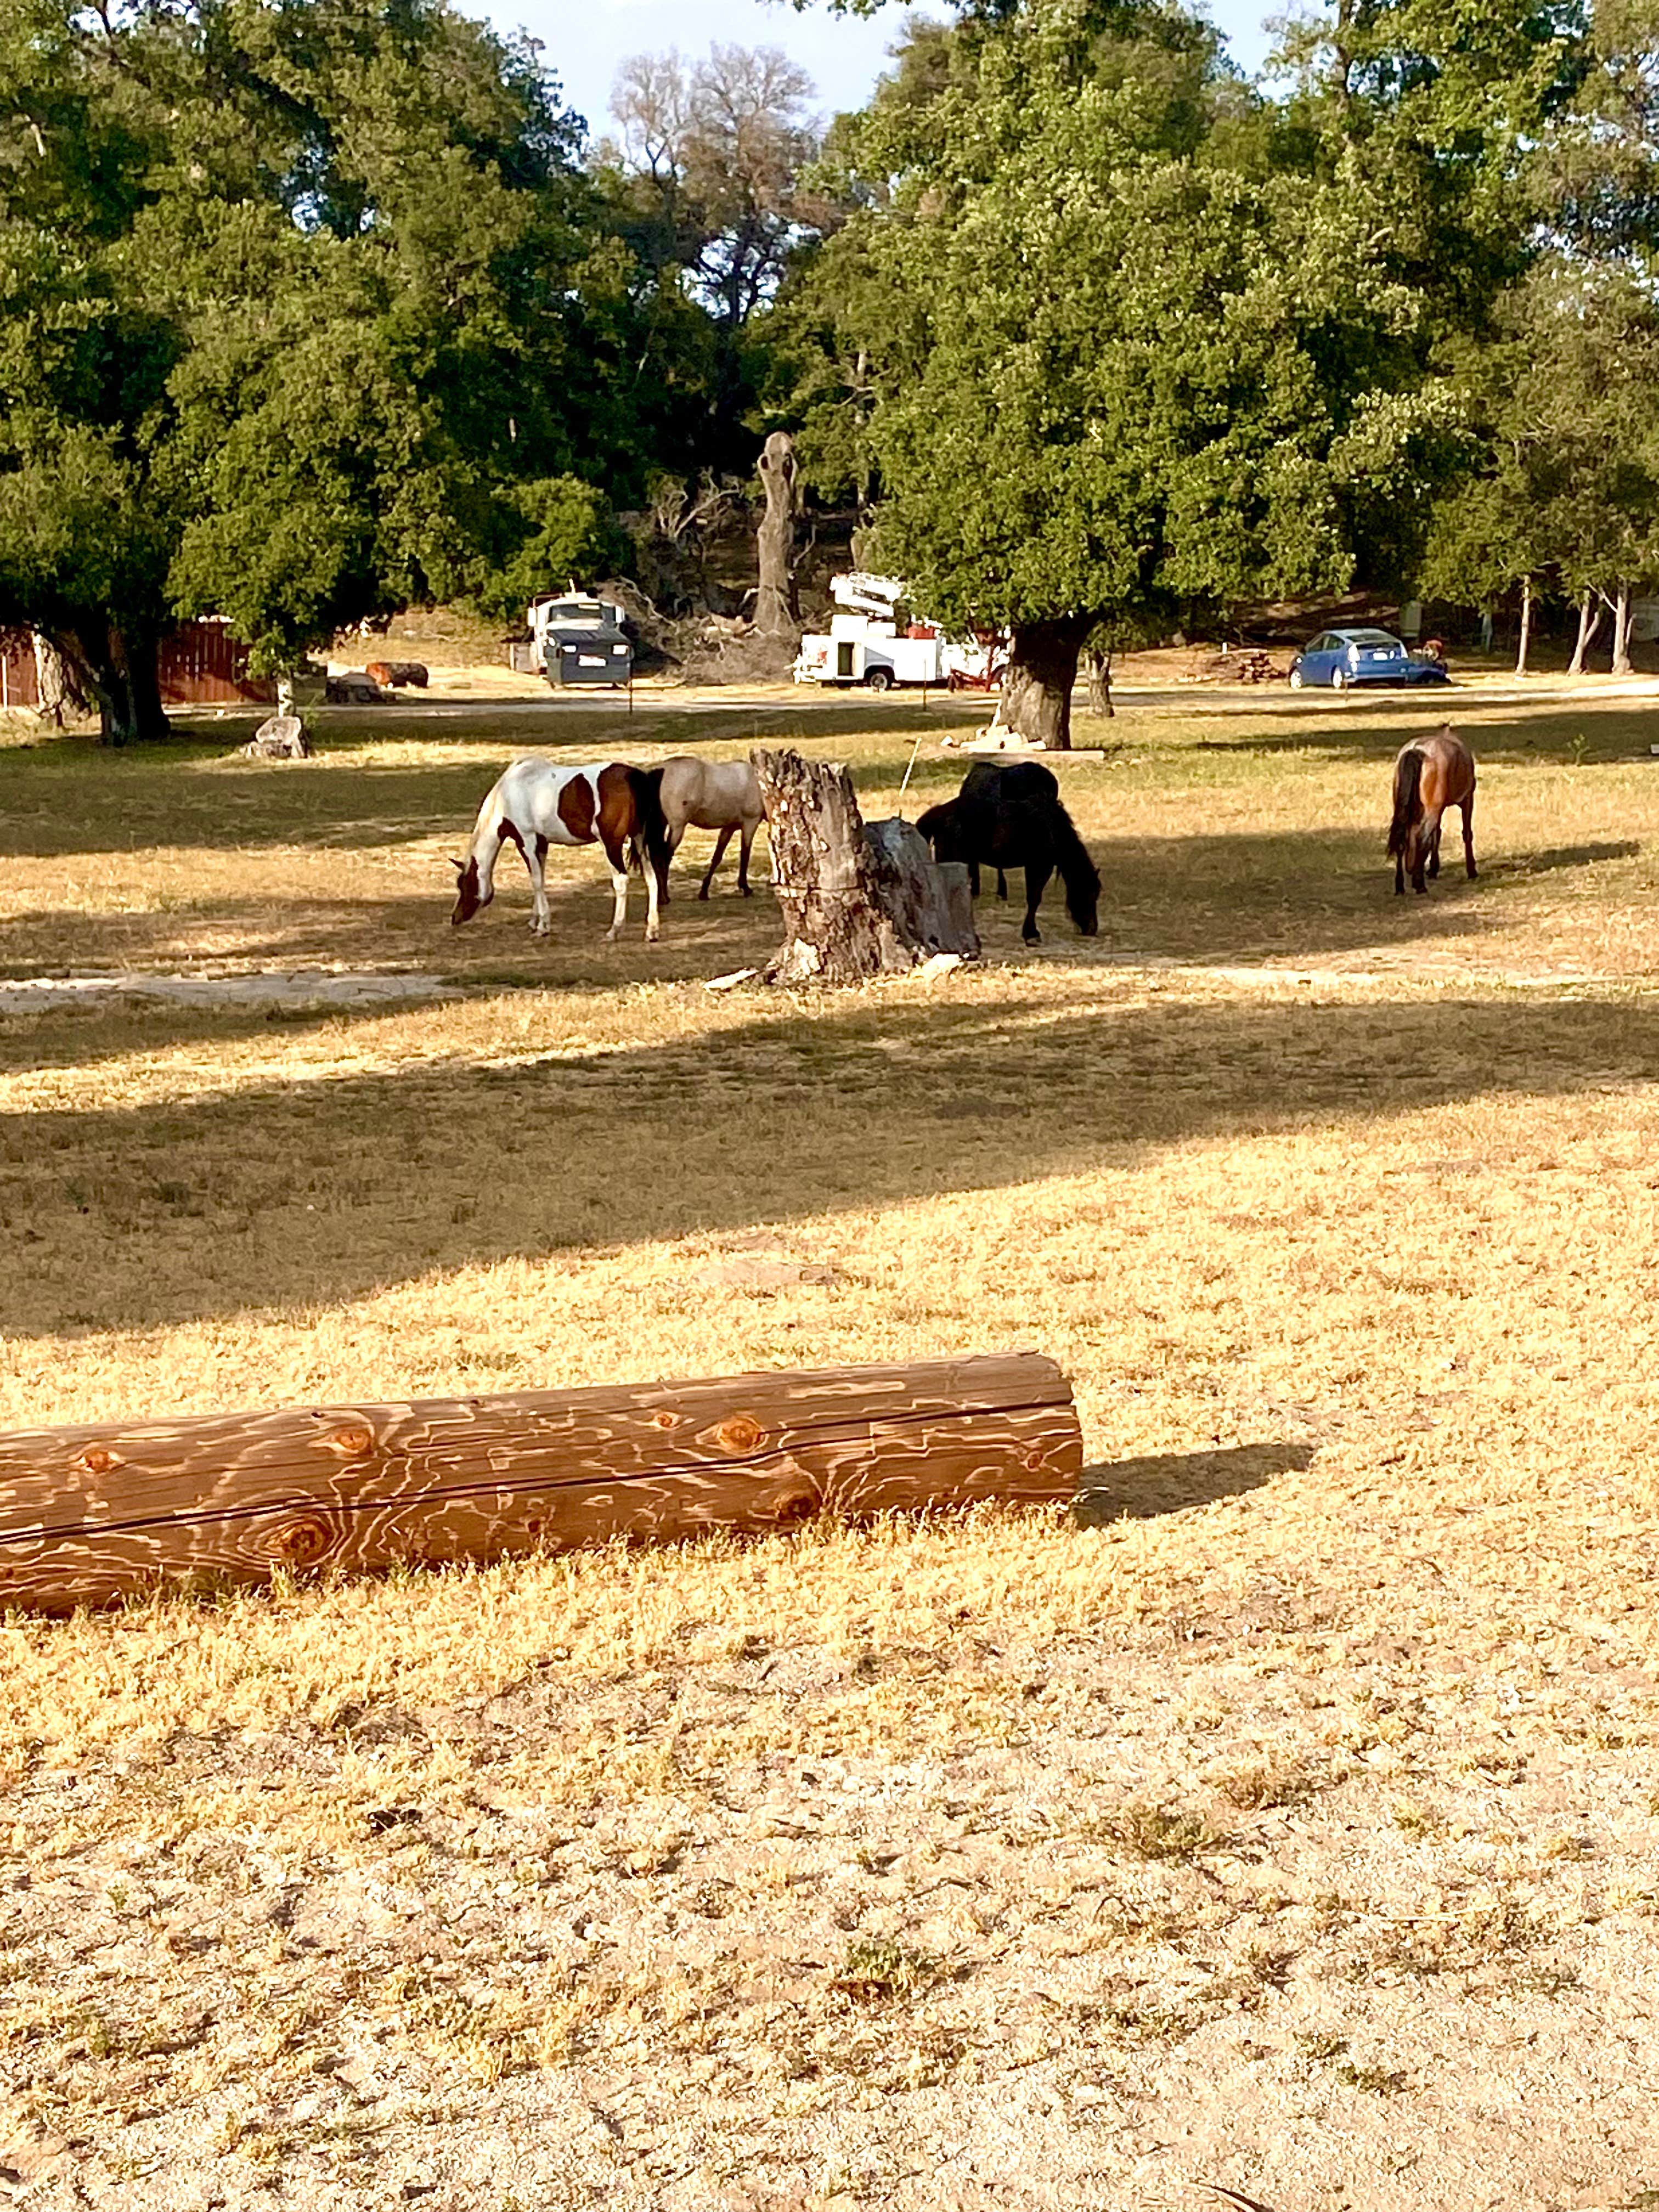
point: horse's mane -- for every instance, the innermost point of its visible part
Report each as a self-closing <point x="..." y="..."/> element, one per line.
<point x="1077" y="871"/>
<point x="1407" y="773"/>
<point x="650" y="841"/>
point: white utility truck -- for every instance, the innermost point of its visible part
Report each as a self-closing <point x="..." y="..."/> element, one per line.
<point x="577" y="638"/>
<point x="867" y="644"/>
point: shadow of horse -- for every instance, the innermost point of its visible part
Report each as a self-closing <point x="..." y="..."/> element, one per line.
<point x="1564" y="856"/>
<point x="1173" y="1482"/>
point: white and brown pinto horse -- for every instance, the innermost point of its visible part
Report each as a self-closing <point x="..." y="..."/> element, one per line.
<point x="1430" y="775"/>
<point x="537" y="804"/>
<point x="709" y="794"/>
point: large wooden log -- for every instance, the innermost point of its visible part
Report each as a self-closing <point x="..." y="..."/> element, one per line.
<point x="91" y="1514"/>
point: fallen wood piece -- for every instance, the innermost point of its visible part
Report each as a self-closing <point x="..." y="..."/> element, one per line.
<point x="92" y="1515"/>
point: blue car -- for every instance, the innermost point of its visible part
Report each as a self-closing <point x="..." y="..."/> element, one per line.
<point x="1343" y="657"/>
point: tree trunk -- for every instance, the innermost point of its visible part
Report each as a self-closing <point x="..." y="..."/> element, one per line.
<point x="125" y="679"/>
<point x="1526" y="627"/>
<point x="1037" y="692"/>
<point x="856" y="902"/>
<point x="58" y="682"/>
<point x="1589" y="620"/>
<point x="775" y="612"/>
<point x="1099" y="665"/>
<point x="1621" y="659"/>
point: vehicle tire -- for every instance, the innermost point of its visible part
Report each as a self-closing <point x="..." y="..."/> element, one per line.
<point x="1296" y="679"/>
<point x="878" y="679"/>
<point x="1339" y="680"/>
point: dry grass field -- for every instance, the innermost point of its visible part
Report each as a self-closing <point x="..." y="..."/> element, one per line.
<point x="1286" y="1823"/>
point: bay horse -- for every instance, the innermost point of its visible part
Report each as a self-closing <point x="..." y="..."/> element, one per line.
<point x="1430" y="775"/>
<point x="1012" y="818"/>
<point x="536" y="804"/>
<point x="707" y="794"/>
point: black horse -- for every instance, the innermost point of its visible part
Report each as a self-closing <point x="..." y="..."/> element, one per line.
<point x="1012" y="818"/>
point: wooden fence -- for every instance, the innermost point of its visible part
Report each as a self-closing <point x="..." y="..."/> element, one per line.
<point x="201" y="663"/>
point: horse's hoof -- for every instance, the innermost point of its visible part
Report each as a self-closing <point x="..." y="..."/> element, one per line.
<point x="745" y="890"/>
<point x="704" y="893"/>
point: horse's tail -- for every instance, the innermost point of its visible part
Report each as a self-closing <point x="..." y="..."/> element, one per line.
<point x="1077" y="871"/>
<point x="648" y="846"/>
<point x="1407" y="777"/>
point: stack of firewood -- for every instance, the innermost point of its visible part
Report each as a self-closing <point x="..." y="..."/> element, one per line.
<point x="1240" y="667"/>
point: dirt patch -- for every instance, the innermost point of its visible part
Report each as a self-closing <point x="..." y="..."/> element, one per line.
<point x="299" y="986"/>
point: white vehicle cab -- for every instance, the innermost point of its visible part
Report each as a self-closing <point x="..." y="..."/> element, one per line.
<point x="575" y="638"/>
<point x="873" y="641"/>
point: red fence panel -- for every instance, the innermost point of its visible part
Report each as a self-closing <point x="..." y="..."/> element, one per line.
<point x="20" y="683"/>
<point x="202" y="664"/>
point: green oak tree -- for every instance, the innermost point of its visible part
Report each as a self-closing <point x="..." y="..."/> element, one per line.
<point x="1094" y="347"/>
<point x="295" y="302"/>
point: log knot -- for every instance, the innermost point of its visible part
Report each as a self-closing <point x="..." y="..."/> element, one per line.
<point x="98" y="1459"/>
<point x="739" y="1434"/>
<point x="351" y="1439"/>
<point x="303" y="1541"/>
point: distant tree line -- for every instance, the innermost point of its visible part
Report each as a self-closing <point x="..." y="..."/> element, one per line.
<point x="314" y="311"/>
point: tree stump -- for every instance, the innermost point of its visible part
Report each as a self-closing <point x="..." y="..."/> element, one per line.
<point x="279" y="737"/>
<point x="857" y="902"/>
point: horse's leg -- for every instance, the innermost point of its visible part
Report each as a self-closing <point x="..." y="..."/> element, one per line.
<point x="1400" y="873"/>
<point x="720" y="844"/>
<point x="972" y="878"/>
<point x="541" y="915"/>
<point x="1038" y="873"/>
<point x="747" y="841"/>
<point x="1002" y="887"/>
<point x="652" y="900"/>
<point x="1434" y="852"/>
<point x="1467" y="810"/>
<point x="670" y="846"/>
<point x="619" y="885"/>
<point x="1425" y="837"/>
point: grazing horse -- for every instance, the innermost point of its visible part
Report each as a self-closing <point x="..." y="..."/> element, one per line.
<point x="1019" y="779"/>
<point x="535" y="805"/>
<point x="1430" y="776"/>
<point x="1012" y="818"/>
<point x="706" y="794"/>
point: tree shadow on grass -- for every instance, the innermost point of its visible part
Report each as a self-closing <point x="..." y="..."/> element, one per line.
<point x="1583" y="731"/>
<point x="1300" y="894"/>
<point x="287" y="1195"/>
<point x="1174" y="1482"/>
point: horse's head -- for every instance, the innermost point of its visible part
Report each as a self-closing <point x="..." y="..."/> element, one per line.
<point x="467" y="901"/>
<point x="1083" y="903"/>
<point x="939" y="826"/>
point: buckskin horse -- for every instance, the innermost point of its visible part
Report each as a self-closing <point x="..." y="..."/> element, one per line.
<point x="535" y="805"/>
<point x="709" y="794"/>
<point x="1012" y="818"/>
<point x="1430" y="775"/>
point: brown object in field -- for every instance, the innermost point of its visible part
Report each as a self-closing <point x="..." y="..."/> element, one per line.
<point x="1240" y="667"/>
<point x="776" y="612"/>
<point x="389" y="674"/>
<point x="857" y="901"/>
<point x="88" y="1516"/>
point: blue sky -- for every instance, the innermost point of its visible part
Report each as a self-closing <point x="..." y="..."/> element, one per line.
<point x="584" y="40"/>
